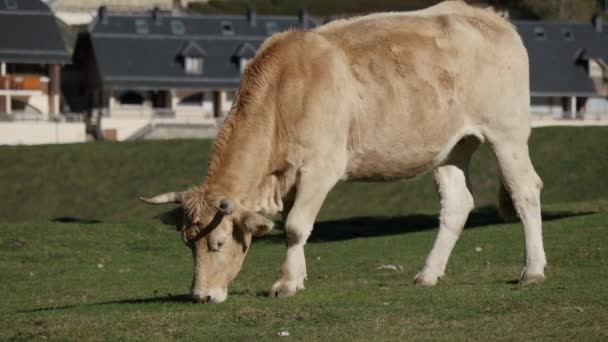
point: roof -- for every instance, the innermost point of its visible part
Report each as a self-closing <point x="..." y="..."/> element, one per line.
<point x="29" y="33"/>
<point x="553" y="48"/>
<point x="142" y="50"/>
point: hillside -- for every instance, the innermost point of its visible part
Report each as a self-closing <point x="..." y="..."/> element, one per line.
<point x="581" y="10"/>
<point x="102" y="181"/>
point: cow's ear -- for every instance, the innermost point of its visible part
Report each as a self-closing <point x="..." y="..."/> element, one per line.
<point x="256" y="224"/>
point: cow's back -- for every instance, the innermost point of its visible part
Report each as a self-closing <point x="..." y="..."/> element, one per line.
<point x="421" y="81"/>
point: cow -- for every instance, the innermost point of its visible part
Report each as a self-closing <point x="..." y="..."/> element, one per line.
<point x="382" y="97"/>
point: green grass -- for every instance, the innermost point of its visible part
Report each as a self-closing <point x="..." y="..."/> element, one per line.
<point x="114" y="273"/>
<point x="102" y="181"/>
<point x="53" y="287"/>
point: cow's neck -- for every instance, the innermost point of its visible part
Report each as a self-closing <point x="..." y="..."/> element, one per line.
<point x="245" y="165"/>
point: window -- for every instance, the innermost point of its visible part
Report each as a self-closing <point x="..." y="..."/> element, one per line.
<point x="10" y="4"/>
<point x="177" y="27"/>
<point x="243" y="62"/>
<point x="539" y="33"/>
<point x="227" y="28"/>
<point x="271" y="28"/>
<point x="595" y="69"/>
<point x="193" y="65"/>
<point x="141" y="26"/>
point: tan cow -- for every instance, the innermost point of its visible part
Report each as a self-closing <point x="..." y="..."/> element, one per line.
<point x="375" y="98"/>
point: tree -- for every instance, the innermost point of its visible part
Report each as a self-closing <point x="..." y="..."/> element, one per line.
<point x="580" y="10"/>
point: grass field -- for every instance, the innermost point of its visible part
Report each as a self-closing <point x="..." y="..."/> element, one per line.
<point x="81" y="259"/>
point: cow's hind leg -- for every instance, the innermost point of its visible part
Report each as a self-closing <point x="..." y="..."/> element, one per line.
<point x="456" y="204"/>
<point x="312" y="188"/>
<point x="521" y="181"/>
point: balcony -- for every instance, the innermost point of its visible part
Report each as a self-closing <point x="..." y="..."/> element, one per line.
<point x="24" y="84"/>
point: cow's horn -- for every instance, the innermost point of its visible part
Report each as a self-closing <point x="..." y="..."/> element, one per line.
<point x="169" y="197"/>
<point x="226" y="206"/>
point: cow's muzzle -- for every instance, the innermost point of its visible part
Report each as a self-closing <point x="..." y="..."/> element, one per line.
<point x="213" y="296"/>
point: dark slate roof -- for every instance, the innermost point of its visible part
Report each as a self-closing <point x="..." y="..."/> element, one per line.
<point x="29" y="33"/>
<point x="143" y="51"/>
<point x="552" y="49"/>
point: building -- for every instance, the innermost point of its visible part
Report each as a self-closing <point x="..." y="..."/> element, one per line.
<point x="83" y="12"/>
<point x="568" y="70"/>
<point x="32" y="52"/>
<point x="150" y="73"/>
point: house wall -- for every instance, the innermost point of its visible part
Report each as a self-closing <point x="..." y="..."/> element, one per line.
<point x="596" y="108"/>
<point x="175" y="106"/>
<point x="204" y="109"/>
<point x="550" y="107"/>
<point x="123" y="128"/>
<point x="129" y="121"/>
<point x="32" y="88"/>
<point x="41" y="132"/>
<point x="40" y="102"/>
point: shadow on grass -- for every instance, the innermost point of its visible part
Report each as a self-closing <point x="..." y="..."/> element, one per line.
<point x="185" y="298"/>
<point x="361" y="227"/>
<point x="153" y="300"/>
<point x="69" y="219"/>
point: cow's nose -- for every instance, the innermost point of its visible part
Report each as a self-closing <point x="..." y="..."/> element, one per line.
<point x="212" y="296"/>
<point x="202" y="299"/>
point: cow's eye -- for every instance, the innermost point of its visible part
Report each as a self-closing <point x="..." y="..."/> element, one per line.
<point x="216" y="246"/>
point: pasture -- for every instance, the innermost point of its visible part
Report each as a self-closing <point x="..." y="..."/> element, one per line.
<point x="82" y="259"/>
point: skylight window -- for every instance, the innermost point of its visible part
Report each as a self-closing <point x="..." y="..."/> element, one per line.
<point x="227" y="28"/>
<point x="10" y="4"/>
<point x="539" y="33"/>
<point x="193" y="65"/>
<point x="271" y="28"/>
<point x="177" y="27"/>
<point x="568" y="35"/>
<point x="141" y="26"/>
<point x="243" y="62"/>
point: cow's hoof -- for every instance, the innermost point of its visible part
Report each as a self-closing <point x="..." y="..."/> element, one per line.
<point x="426" y="279"/>
<point x="283" y="288"/>
<point x="532" y="278"/>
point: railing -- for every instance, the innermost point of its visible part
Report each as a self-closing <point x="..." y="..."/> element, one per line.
<point x="29" y="116"/>
<point x="138" y="111"/>
<point x="581" y="116"/>
<point x="24" y="82"/>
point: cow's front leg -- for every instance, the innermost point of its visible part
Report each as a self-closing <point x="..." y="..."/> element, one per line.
<point x="312" y="189"/>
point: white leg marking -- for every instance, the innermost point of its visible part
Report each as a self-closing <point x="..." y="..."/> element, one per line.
<point x="311" y="192"/>
<point x="524" y="185"/>
<point x="456" y="204"/>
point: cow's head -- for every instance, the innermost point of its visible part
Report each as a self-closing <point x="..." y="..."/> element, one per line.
<point x="219" y="232"/>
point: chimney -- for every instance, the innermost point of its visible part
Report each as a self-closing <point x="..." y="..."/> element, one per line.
<point x="303" y="18"/>
<point x="598" y="23"/>
<point x="251" y="16"/>
<point x="102" y="14"/>
<point x="156" y="16"/>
